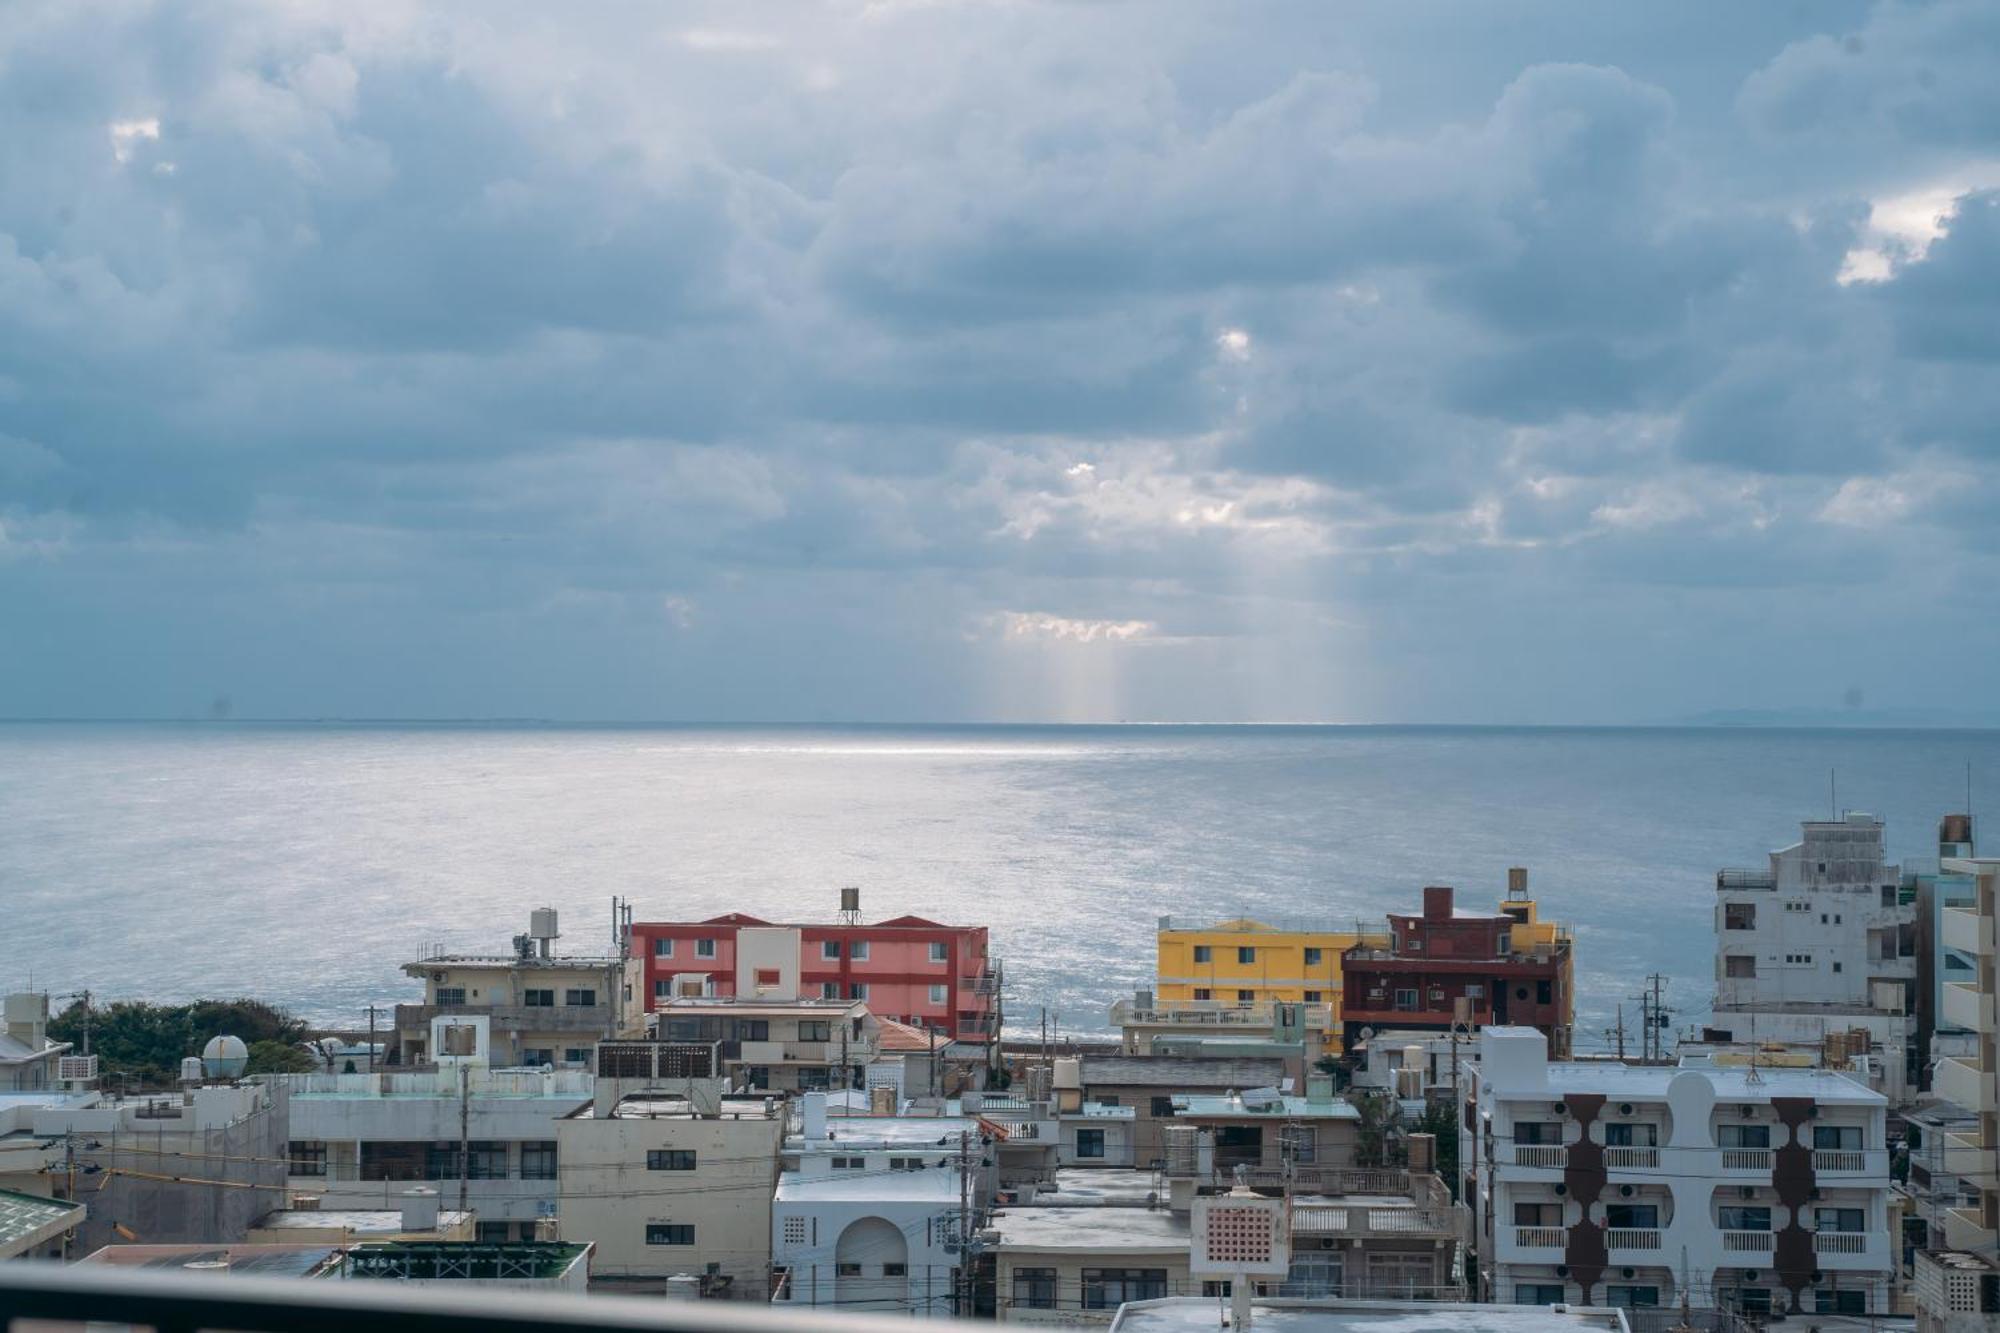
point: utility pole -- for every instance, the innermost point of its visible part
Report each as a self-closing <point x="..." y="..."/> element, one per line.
<point x="372" y="1062"/>
<point x="1618" y="1033"/>
<point x="962" y="1289"/>
<point x="464" y="1132"/>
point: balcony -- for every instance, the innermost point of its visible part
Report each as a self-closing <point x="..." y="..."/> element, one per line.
<point x="1632" y="1238"/>
<point x="1963" y="1083"/>
<point x="1539" y="1238"/>
<point x="1753" y="1160"/>
<point x="1845" y="1161"/>
<point x="982" y="983"/>
<point x="1750" y="1242"/>
<point x="1359" y="1222"/>
<point x="180" y="1302"/>
<point x="1966" y="931"/>
<point x="1965" y="1230"/>
<point x="1210" y="1014"/>
<point x="1631" y="1159"/>
<point x="1968" y="1159"/>
<point x="1543" y="1155"/>
<point x="1965" y="1007"/>
<point x="1840" y="1242"/>
<point x="593" y="1019"/>
<point x="1736" y="878"/>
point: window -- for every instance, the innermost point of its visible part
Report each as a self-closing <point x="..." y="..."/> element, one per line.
<point x="1406" y="999"/>
<point x="1212" y="1288"/>
<point x="576" y="1055"/>
<point x="1246" y="996"/>
<point x="1743" y="1136"/>
<point x="1204" y="954"/>
<point x="663" y="948"/>
<point x="906" y="1163"/>
<point x="538" y="1055"/>
<point x="1836" y="967"/>
<point x="1299" y="1143"/>
<point x="704" y="948"/>
<point x="1107" y="1101"/>
<point x="859" y="951"/>
<point x="308" y="1157"/>
<point x="538" y="1160"/>
<point x="829" y="990"/>
<point x="539" y="998"/>
<point x="1739" y="965"/>
<point x="1630" y="1297"/>
<point x="1739" y="916"/>
<point x="441" y="1161"/>
<point x="663" y="989"/>
<point x="795" y="1231"/>
<point x="1545" y="991"/>
<point x="753" y="1029"/>
<point x="490" y="1233"/>
<point x="1314" y="997"/>
<point x="1538" y="1293"/>
<point x="1537" y="1132"/>
<point x="1109" y="1288"/>
<point x="1837" y="1137"/>
<point x="1888" y="895"/>
<point x="858" y="991"/>
<point x="1632" y="1216"/>
<point x="847" y="1270"/>
<point x="940" y="994"/>
<point x="816" y="1029"/>
<point x="769" y="976"/>
<point x="895" y="1270"/>
<point x="1839" y="1219"/>
<point x="1162" y="1107"/>
<point x="940" y="952"/>
<point x="1744" y="1217"/>
<point x="1312" y="957"/>
<point x="1203" y="993"/>
<point x="849" y="1163"/>
<point x="1840" y="1302"/>
<point x="670" y="1159"/>
<point x="1090" y="1143"/>
<point x="829" y="949"/>
<point x="669" y="1233"/>
<point x="450" y="997"/>
<point x="1538" y="1214"/>
<point x="580" y="997"/>
<point x="1754" y="1300"/>
<point x="1035" y="1288"/>
<point x="1475" y="990"/>
<point x="486" y="1160"/>
<point x="1631" y="1136"/>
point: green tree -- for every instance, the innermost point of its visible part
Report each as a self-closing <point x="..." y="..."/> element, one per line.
<point x="274" y="1057"/>
<point x="146" y="1042"/>
<point x="1441" y="1120"/>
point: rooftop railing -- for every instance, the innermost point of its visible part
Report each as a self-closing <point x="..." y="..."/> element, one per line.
<point x="186" y="1303"/>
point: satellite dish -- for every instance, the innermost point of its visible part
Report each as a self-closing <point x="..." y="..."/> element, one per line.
<point x="1367" y="1034"/>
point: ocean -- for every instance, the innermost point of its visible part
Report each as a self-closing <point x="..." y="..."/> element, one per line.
<point x="304" y="863"/>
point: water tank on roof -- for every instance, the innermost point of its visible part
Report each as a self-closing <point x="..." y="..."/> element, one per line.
<point x="225" y="1057"/>
<point x="542" y="923"/>
<point x="191" y="1071"/>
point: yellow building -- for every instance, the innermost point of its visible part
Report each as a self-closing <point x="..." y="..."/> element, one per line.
<point x="1246" y="962"/>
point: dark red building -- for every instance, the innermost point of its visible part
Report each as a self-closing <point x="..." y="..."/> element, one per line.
<point x="1508" y="968"/>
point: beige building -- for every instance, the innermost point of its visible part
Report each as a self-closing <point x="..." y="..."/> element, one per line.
<point x="1269" y="1133"/>
<point x="1147" y="1084"/>
<point x="542" y="1008"/>
<point x="669" y="1176"/>
<point x="776" y="1045"/>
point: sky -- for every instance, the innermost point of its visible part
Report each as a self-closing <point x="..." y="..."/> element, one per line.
<point x="910" y="360"/>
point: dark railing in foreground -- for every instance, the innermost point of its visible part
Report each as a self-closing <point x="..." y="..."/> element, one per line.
<point x="187" y="1302"/>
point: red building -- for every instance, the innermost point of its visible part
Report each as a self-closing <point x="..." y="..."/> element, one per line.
<point x="916" y="971"/>
<point x="1509" y="968"/>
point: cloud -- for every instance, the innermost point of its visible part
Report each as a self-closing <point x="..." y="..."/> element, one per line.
<point x="1040" y="626"/>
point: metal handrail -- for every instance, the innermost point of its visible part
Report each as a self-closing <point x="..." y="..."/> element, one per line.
<point x="186" y="1302"/>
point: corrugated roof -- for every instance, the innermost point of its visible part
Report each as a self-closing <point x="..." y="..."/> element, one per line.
<point x="1182" y="1071"/>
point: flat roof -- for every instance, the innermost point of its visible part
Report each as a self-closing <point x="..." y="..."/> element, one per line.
<point x="643" y="1107"/>
<point x="1182" y="1071"/>
<point x="1732" y="1083"/>
<point x="848" y="1132"/>
<point x="359" y="1221"/>
<point x="933" y="1187"/>
<point x="1096" y="1230"/>
<point x="1198" y="1106"/>
<point x="28" y="1219"/>
<point x="734" y="1004"/>
<point x="1188" y="1314"/>
<point x="1096" y="1187"/>
<point x="258" y="1260"/>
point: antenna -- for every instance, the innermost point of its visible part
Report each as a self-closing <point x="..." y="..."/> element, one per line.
<point x="1832" y="796"/>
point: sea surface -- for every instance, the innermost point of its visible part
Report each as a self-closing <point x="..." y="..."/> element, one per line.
<point x="304" y="863"/>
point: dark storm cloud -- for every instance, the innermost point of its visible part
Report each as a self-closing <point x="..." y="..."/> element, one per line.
<point x="619" y="363"/>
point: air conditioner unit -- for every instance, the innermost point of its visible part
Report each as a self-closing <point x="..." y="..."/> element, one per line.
<point x="1562" y="1270"/>
<point x="1561" y="1108"/>
<point x="1624" y="1108"/>
<point x="1562" y="1189"/>
<point x="1625" y="1190"/>
<point x="1746" y="1192"/>
<point x="1629" y="1272"/>
<point x="1747" y="1112"/>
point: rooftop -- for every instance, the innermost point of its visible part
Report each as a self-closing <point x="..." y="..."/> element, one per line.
<point x="1097" y="1187"/>
<point x="926" y="1187"/>
<point x="27" y="1220"/>
<point x="557" y="1084"/>
<point x="353" y="1221"/>
<point x="1824" y="1086"/>
<point x="907" y="1037"/>
<point x="1098" y="1230"/>
<point x="512" y="1261"/>
<point x="751" y="1006"/>
<point x="667" y="1106"/>
<point x="262" y="1260"/>
<point x="1182" y="1071"/>
<point x="1187" y="1315"/>
<point x="848" y="1132"/>
<point x="1198" y="1106"/>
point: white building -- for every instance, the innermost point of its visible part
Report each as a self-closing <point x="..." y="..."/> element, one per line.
<point x="1821" y="945"/>
<point x="27" y="1056"/>
<point x="776" y="1045"/>
<point x="1198" y="1315"/>
<point x="487" y="1136"/>
<point x="872" y="1212"/>
<point x="1600" y="1183"/>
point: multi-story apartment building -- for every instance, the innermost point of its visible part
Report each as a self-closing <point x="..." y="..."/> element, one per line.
<point x="1820" y="942"/>
<point x="1931" y="889"/>
<point x="1301" y="1032"/>
<point x="1249" y="964"/>
<point x="776" y="1045"/>
<point x="907" y="968"/>
<point x="1602" y="1183"/>
<point x="27" y="1056"/>
<point x="1972" y="1081"/>
<point x="667" y="1174"/>
<point x="1448" y="966"/>
<point x="543" y="1008"/>
<point x="483" y="1139"/>
<point x="1149" y="1083"/>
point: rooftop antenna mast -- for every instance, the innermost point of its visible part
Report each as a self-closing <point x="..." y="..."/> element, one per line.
<point x="1832" y="796"/>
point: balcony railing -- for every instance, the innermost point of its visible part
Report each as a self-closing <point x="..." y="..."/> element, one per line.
<point x="1631" y="1158"/>
<point x="514" y="1017"/>
<point x="1756" y="1242"/>
<point x="1746" y="1159"/>
<point x="185" y="1303"/>
<point x="1840" y="1242"/>
<point x="1358" y="1221"/>
<point x="1541" y="1155"/>
<point x="1840" y="1159"/>
<point x="1632" y="1238"/>
<point x="1742" y="878"/>
<point x="1539" y="1238"/>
